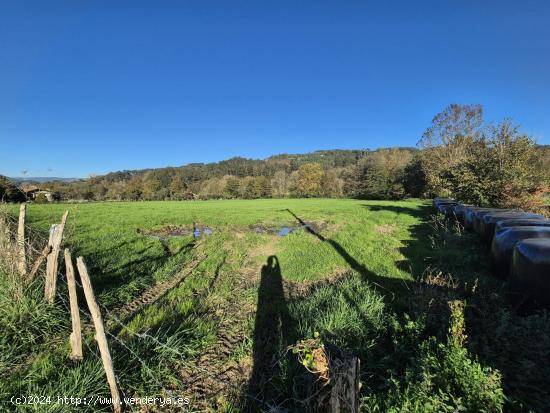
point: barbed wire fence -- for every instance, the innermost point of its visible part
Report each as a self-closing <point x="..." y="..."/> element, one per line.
<point x="34" y="239"/>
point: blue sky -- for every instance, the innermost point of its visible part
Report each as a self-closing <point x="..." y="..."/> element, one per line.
<point x="92" y="87"/>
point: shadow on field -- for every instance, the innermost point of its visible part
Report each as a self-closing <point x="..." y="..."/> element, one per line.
<point x="385" y="285"/>
<point x="414" y="212"/>
<point x="416" y="250"/>
<point x="274" y="329"/>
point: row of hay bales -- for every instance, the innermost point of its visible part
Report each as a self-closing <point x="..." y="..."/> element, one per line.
<point x="519" y="244"/>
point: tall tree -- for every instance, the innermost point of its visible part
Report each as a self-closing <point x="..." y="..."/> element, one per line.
<point x="309" y="180"/>
<point x="380" y="175"/>
<point x="446" y="142"/>
<point x="232" y="187"/>
<point x="279" y="184"/>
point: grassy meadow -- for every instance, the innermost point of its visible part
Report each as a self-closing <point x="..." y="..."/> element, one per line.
<point x="407" y="292"/>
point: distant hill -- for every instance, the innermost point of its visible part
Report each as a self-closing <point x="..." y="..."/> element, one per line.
<point x="235" y="177"/>
<point x="240" y="167"/>
<point x="40" y="179"/>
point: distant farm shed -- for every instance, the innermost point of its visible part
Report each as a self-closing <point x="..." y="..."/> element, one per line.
<point x="32" y="192"/>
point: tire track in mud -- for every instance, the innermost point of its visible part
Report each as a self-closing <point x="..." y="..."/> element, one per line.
<point x="215" y="372"/>
<point x="151" y="295"/>
<point x="115" y="318"/>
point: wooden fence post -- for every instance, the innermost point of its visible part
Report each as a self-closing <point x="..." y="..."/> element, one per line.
<point x="100" y="333"/>
<point x="76" y="335"/>
<point x="4" y="234"/>
<point x="22" y="258"/>
<point x="337" y="388"/>
<point x="39" y="262"/>
<point x="56" y="237"/>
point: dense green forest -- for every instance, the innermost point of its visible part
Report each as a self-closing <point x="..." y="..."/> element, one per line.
<point x="459" y="155"/>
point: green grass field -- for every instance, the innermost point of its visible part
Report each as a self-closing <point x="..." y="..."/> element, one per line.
<point x="371" y="277"/>
<point x="124" y="262"/>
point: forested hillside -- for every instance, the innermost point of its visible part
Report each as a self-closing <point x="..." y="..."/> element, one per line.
<point x="329" y="173"/>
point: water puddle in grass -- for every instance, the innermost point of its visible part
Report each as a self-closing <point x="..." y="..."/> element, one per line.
<point x="282" y="231"/>
<point x="285" y="231"/>
<point x="171" y="231"/>
<point x="198" y="231"/>
<point x="205" y="231"/>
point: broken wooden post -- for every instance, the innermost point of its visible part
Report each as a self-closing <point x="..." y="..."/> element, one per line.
<point x="22" y="258"/>
<point x="337" y="378"/>
<point x="344" y="393"/>
<point x="76" y="335"/>
<point x="56" y="237"/>
<point x="100" y="333"/>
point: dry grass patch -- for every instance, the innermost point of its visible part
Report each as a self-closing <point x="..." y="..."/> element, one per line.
<point x="385" y="229"/>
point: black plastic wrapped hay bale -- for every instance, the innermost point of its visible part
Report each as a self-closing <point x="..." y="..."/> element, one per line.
<point x="459" y="212"/>
<point x="468" y="217"/>
<point x="529" y="283"/>
<point x="478" y="217"/>
<point x="489" y="221"/>
<point x="522" y="222"/>
<point x="447" y="208"/>
<point x="436" y="201"/>
<point x="504" y="242"/>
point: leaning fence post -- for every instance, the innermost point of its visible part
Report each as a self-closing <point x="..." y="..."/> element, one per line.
<point x="56" y="236"/>
<point x="76" y="335"/>
<point x="39" y="262"/>
<point x="22" y="261"/>
<point x="100" y="333"/>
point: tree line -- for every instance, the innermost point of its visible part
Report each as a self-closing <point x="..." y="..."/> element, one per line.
<point x="318" y="174"/>
<point x="459" y="155"/>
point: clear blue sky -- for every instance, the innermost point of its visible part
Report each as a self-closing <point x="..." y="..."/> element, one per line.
<point x="92" y="86"/>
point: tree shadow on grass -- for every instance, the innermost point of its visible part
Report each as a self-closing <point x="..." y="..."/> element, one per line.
<point x="417" y="250"/>
<point x="420" y="212"/>
<point x="387" y="286"/>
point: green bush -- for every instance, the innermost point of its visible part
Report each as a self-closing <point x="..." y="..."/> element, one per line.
<point x="40" y="199"/>
<point x="443" y="378"/>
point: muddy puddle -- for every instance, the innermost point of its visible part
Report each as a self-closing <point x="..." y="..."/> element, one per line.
<point x="171" y="231"/>
<point x="284" y="230"/>
<point x="198" y="231"/>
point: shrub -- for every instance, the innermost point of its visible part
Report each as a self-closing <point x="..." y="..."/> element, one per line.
<point x="40" y="199"/>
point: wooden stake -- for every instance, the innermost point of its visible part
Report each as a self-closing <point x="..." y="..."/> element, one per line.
<point x="4" y="235"/>
<point x="56" y="237"/>
<point x="100" y="333"/>
<point x="22" y="261"/>
<point x="76" y="335"/>
<point x="39" y="262"/>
